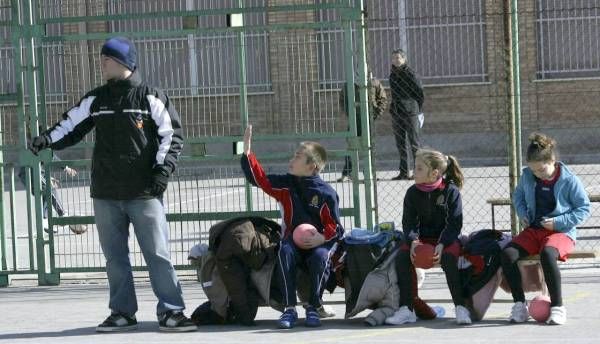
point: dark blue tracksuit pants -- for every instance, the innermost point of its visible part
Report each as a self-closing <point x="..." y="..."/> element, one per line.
<point x="315" y="261"/>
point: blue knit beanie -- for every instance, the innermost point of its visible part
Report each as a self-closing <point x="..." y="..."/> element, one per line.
<point x="121" y="50"/>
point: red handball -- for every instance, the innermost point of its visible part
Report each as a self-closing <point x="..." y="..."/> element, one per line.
<point x="539" y="308"/>
<point x="424" y="256"/>
<point x="302" y="232"/>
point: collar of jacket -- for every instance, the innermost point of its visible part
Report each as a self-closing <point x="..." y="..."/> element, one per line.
<point x="134" y="80"/>
<point x="400" y="69"/>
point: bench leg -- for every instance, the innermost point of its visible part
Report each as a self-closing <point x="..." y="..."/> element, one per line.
<point x="493" y="218"/>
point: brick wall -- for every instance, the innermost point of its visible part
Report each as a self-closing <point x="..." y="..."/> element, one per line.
<point x="297" y="104"/>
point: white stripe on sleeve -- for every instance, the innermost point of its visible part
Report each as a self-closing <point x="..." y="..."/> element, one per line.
<point x="75" y="116"/>
<point x="162" y="118"/>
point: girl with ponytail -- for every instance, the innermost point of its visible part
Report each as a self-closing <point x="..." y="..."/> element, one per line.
<point x="432" y="215"/>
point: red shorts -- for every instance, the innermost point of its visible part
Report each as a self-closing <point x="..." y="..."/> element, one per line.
<point x="533" y="240"/>
<point x="454" y="248"/>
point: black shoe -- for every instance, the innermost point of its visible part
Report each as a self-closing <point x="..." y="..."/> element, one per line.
<point x="118" y="323"/>
<point x="54" y="230"/>
<point x="175" y="321"/>
<point x="403" y="177"/>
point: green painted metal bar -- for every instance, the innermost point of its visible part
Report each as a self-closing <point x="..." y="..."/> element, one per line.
<point x="516" y="79"/>
<point x="2" y="230"/>
<point x="8" y="98"/>
<point x="30" y="33"/>
<point x="183" y="33"/>
<point x="365" y="139"/>
<point x="13" y="220"/>
<point x="511" y="27"/>
<point x="19" y="272"/>
<point x="185" y="217"/>
<point x="47" y="192"/>
<point x="194" y="13"/>
<point x="19" y="82"/>
<point x="351" y="106"/>
<point x="241" y="55"/>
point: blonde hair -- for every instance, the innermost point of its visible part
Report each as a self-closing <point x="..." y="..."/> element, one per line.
<point x="446" y="164"/>
<point x="541" y="148"/>
<point x="315" y="153"/>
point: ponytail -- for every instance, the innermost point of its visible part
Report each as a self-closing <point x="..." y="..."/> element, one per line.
<point x="446" y="164"/>
<point x="454" y="173"/>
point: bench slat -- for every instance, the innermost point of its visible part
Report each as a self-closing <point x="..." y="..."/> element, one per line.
<point x="573" y="255"/>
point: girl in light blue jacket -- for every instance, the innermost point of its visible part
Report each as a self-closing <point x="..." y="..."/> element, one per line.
<point x="550" y="202"/>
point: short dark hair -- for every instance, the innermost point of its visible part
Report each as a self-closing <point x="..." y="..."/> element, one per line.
<point x="399" y="52"/>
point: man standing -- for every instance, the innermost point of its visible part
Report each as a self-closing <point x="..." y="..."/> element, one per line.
<point x="377" y="100"/>
<point x="407" y="102"/>
<point x="138" y="141"/>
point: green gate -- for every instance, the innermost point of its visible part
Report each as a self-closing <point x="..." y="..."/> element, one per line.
<point x="224" y="64"/>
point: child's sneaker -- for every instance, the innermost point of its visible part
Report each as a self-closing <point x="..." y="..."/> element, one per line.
<point x="558" y="315"/>
<point x="117" y="323"/>
<point x="402" y="316"/>
<point x="326" y="311"/>
<point x="519" y="313"/>
<point x="463" y="316"/>
<point x="288" y="319"/>
<point x="78" y="228"/>
<point x="312" y="317"/>
<point x="175" y="321"/>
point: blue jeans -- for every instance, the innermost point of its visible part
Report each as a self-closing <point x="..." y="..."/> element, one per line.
<point x="150" y="225"/>
<point x="315" y="261"/>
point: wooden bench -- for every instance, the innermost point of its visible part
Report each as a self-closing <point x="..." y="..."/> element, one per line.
<point x="574" y="255"/>
<point x="498" y="202"/>
<point x="530" y="261"/>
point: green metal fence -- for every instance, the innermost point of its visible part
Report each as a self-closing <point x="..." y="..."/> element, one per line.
<point x="209" y="56"/>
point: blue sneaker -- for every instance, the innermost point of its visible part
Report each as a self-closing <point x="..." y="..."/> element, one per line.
<point x="288" y="319"/>
<point x="312" y="317"/>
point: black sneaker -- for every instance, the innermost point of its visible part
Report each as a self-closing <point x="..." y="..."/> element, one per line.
<point x="118" y="323"/>
<point x="403" y="177"/>
<point x="174" y="321"/>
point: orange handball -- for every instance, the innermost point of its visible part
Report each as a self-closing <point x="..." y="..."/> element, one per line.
<point x="302" y="232"/>
<point x="424" y="256"/>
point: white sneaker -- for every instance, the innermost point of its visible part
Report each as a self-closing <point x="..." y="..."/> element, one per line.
<point x="78" y="228"/>
<point x="326" y="311"/>
<point x="401" y="316"/>
<point x="463" y="316"/>
<point x="558" y="315"/>
<point x="519" y="313"/>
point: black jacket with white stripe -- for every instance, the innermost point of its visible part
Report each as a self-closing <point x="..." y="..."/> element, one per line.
<point x="137" y="131"/>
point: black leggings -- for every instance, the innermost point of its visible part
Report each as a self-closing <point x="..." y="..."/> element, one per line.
<point x="548" y="259"/>
<point x="405" y="270"/>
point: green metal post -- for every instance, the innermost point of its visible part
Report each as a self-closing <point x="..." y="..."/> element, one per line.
<point x="241" y="55"/>
<point x="2" y="233"/>
<point x="511" y="27"/>
<point x="365" y="139"/>
<point x="31" y="32"/>
<point x="13" y="222"/>
<point x="516" y="80"/>
<point x="350" y="105"/>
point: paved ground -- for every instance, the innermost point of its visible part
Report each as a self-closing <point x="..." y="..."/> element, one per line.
<point x="70" y="312"/>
